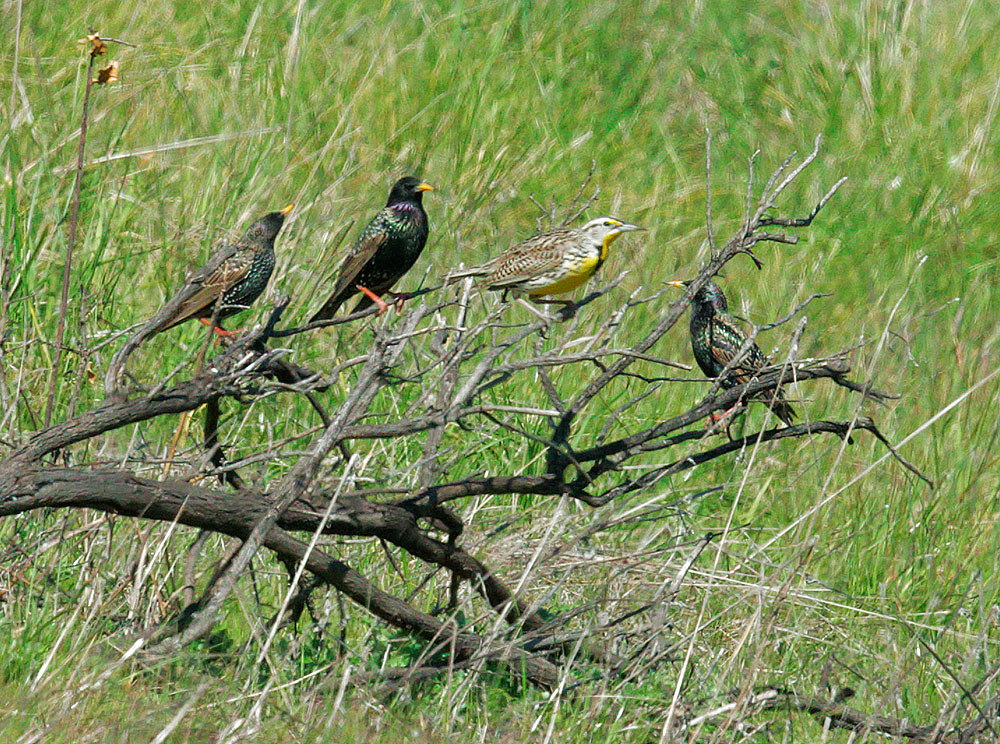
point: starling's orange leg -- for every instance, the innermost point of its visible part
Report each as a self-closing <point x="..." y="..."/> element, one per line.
<point x="222" y="331"/>
<point x="382" y="307"/>
<point x="715" y="418"/>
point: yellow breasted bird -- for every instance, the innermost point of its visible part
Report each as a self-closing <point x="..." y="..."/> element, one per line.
<point x="553" y="262"/>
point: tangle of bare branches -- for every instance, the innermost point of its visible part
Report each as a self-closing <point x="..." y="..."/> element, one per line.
<point x="449" y="356"/>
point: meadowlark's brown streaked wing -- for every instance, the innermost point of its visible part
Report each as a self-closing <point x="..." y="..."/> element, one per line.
<point x="536" y="256"/>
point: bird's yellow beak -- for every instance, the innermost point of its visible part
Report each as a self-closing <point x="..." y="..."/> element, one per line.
<point x="288" y="209"/>
<point x="425" y="187"/>
<point x="678" y="284"/>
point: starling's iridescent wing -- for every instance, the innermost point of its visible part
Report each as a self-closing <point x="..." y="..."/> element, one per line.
<point x="239" y="279"/>
<point x="229" y="273"/>
<point x="533" y="258"/>
<point x="374" y="237"/>
<point x="725" y="341"/>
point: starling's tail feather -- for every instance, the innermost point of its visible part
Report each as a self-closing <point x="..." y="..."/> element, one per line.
<point x="330" y="307"/>
<point x="783" y="410"/>
<point x="333" y="305"/>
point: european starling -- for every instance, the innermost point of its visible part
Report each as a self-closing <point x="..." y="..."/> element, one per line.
<point x="240" y="279"/>
<point x="552" y="262"/>
<point x="716" y="339"/>
<point x="388" y="247"/>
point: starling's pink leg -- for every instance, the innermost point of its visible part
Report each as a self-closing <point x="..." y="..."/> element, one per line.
<point x="222" y="331"/>
<point x="382" y="307"/>
<point x="714" y="418"/>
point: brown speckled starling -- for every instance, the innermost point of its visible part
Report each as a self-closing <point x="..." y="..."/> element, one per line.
<point x="239" y="280"/>
<point x="385" y="250"/>
<point x="716" y="339"/>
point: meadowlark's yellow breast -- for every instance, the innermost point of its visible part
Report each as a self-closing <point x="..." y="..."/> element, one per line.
<point x="577" y="272"/>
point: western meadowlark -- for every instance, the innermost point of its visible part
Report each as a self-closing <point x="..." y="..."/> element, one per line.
<point x="239" y="280"/>
<point x="385" y="250"/>
<point x="716" y="339"/>
<point x="553" y="262"/>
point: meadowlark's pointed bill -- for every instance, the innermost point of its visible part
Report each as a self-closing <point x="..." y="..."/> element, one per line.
<point x="239" y="280"/>
<point x="716" y="340"/>
<point x="386" y="249"/>
<point x="553" y="262"/>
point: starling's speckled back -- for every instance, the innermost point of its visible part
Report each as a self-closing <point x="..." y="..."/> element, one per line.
<point x="241" y="278"/>
<point x="386" y="249"/>
<point x="242" y="294"/>
<point x="716" y="339"/>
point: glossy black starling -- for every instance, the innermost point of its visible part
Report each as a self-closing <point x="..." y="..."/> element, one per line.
<point x="716" y="339"/>
<point x="388" y="247"/>
<point x="240" y="279"/>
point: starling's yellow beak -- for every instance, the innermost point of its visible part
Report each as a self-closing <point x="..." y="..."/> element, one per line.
<point x="288" y="209"/>
<point x="425" y="187"/>
<point x="678" y="284"/>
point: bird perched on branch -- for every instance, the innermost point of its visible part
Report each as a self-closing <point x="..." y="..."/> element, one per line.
<point x="239" y="280"/>
<point x="716" y="340"/>
<point x="385" y="250"/>
<point x="552" y="262"/>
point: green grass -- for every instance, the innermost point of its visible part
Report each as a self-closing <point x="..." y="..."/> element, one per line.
<point x="230" y="112"/>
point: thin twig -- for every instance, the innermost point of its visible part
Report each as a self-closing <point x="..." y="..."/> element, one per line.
<point x="68" y="263"/>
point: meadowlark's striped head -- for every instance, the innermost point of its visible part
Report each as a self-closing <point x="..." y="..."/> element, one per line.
<point x="603" y="230"/>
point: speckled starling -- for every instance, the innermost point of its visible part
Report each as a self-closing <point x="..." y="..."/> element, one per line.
<point x="552" y="262"/>
<point x="716" y="339"/>
<point x="239" y="280"/>
<point x="386" y="249"/>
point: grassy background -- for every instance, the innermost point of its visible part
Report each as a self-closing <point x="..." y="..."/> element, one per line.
<point x="229" y="110"/>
